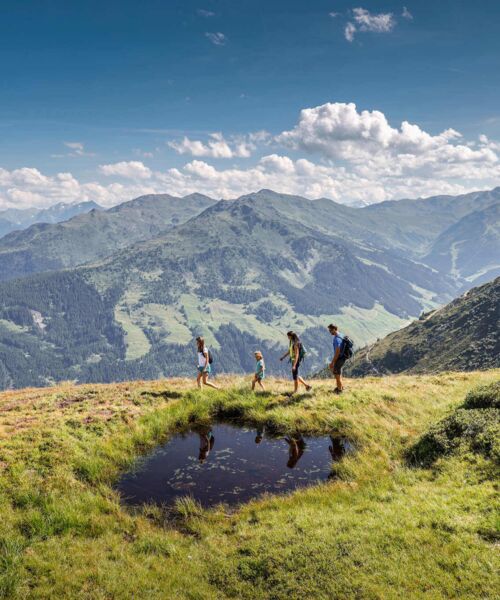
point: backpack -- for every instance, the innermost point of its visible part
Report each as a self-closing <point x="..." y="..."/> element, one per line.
<point x="346" y="348"/>
<point x="210" y="357"/>
<point x="302" y="352"/>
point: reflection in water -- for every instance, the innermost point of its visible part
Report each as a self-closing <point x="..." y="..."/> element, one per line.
<point x="339" y="447"/>
<point x="207" y="441"/>
<point x="296" y="447"/>
<point x="242" y="464"/>
<point x="260" y="435"/>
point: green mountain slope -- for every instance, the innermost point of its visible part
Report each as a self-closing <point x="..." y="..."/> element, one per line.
<point x="420" y="230"/>
<point x="414" y="225"/>
<point x="95" y="235"/>
<point x="470" y="249"/>
<point x="463" y="335"/>
<point x="241" y="273"/>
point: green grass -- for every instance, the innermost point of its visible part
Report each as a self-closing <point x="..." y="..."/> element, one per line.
<point x="382" y="529"/>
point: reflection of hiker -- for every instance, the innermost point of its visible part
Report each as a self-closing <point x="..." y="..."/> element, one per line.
<point x="342" y="350"/>
<point x="260" y="370"/>
<point x="204" y="360"/>
<point x="207" y="442"/>
<point x="296" y="449"/>
<point x="296" y="353"/>
<point x="260" y="435"/>
<point x="337" y="448"/>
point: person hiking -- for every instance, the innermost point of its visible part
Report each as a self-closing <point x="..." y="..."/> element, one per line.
<point x="260" y="370"/>
<point x="204" y="368"/>
<point x="338" y="359"/>
<point x="295" y="352"/>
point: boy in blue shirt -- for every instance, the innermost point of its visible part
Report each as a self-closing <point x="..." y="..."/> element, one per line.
<point x="337" y="360"/>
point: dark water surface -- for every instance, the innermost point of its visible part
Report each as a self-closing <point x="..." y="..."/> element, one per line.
<point x="230" y="464"/>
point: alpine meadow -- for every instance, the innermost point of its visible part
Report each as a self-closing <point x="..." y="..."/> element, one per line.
<point x="249" y="300"/>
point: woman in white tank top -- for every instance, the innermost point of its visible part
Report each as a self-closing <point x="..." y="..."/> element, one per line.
<point x="204" y="368"/>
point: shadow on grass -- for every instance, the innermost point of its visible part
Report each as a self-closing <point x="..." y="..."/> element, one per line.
<point x="169" y="394"/>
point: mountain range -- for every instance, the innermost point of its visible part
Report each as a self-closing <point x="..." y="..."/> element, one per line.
<point x="93" y="235"/>
<point x="121" y="294"/>
<point x="13" y="219"/>
<point x="461" y="336"/>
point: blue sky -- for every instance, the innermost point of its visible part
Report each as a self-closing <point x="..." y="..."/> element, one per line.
<point x="87" y="85"/>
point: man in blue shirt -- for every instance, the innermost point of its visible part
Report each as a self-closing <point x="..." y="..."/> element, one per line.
<point x="337" y="360"/>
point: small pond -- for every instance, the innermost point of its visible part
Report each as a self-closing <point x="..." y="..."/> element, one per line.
<point x="230" y="464"/>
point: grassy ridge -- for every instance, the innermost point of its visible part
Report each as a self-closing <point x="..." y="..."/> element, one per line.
<point x="381" y="530"/>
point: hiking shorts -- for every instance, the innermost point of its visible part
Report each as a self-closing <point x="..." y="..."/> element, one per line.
<point x="207" y="369"/>
<point x="337" y="367"/>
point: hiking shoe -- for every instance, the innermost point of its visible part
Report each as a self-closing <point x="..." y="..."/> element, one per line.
<point x="337" y="391"/>
<point x="309" y="388"/>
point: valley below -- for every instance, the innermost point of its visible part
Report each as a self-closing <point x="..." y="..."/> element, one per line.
<point x="120" y="294"/>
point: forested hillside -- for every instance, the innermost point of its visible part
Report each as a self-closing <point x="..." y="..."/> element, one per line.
<point x="241" y="274"/>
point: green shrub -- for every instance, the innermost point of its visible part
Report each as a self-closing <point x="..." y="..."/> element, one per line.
<point x="475" y="426"/>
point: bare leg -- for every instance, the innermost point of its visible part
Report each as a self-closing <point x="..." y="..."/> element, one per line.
<point x="206" y="382"/>
<point x="253" y="383"/>
<point x="295" y="385"/>
<point x="261" y="385"/>
<point x="198" y="380"/>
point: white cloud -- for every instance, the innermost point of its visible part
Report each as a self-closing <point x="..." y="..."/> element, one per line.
<point x="349" y="31"/>
<point x="338" y="130"/>
<point x="78" y="149"/>
<point x="406" y="14"/>
<point x="133" y="169"/>
<point x="366" y="21"/>
<point x="205" y="13"/>
<point x="217" y="38"/>
<point x="216" y="147"/>
<point x="26" y="187"/>
<point x="333" y="150"/>
<point x="333" y="14"/>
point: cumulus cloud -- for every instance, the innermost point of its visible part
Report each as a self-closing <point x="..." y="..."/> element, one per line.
<point x="216" y="146"/>
<point x="217" y="38"/>
<point x="27" y="187"/>
<point x="338" y="130"/>
<point x="333" y="150"/>
<point x="133" y="169"/>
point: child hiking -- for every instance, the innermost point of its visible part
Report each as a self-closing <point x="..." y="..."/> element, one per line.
<point x="260" y="370"/>
<point x="296" y="354"/>
<point x="204" y="368"/>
